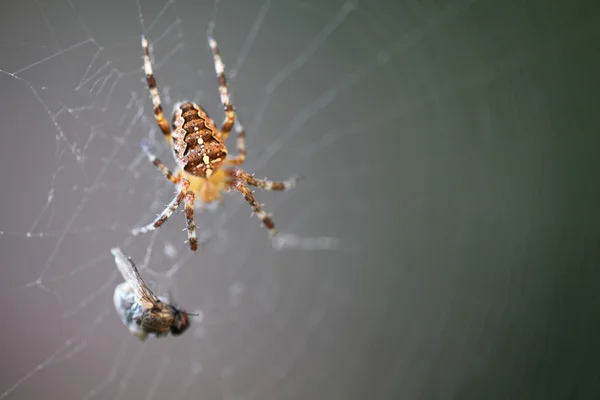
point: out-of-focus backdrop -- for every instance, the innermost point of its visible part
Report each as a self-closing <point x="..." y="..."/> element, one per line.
<point x="443" y="245"/>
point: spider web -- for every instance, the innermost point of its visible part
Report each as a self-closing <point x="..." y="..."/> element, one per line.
<point x="360" y="98"/>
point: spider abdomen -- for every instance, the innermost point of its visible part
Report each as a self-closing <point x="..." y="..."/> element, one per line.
<point x="196" y="145"/>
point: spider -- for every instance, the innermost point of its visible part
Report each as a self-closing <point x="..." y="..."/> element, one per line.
<point x="201" y="155"/>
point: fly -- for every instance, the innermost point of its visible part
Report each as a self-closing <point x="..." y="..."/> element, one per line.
<point x="139" y="309"/>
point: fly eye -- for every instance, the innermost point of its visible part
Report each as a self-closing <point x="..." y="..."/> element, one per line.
<point x="180" y="324"/>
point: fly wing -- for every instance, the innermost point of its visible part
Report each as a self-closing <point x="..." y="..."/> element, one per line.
<point x="131" y="275"/>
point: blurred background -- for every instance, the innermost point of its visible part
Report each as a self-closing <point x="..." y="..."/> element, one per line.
<point x="442" y="246"/>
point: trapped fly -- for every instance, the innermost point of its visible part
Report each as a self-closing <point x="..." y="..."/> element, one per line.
<point x="139" y="309"/>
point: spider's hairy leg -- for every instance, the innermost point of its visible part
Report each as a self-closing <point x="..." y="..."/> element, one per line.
<point x="241" y="145"/>
<point x="265" y="183"/>
<point x="228" y="107"/>
<point x="258" y="210"/>
<point x="189" y="216"/>
<point x="167" y="212"/>
<point x="158" y="111"/>
<point x="159" y="164"/>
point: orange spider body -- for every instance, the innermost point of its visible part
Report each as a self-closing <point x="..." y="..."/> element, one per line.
<point x="209" y="189"/>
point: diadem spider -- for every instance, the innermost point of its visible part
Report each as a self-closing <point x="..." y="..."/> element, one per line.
<point x="201" y="155"/>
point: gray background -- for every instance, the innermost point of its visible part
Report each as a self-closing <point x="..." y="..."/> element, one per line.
<point x="451" y="147"/>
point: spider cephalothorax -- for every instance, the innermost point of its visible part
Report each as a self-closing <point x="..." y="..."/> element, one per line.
<point x="204" y="168"/>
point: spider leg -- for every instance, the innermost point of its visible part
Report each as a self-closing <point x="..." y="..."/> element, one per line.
<point x="220" y="70"/>
<point x="264" y="183"/>
<point x="167" y="212"/>
<point x="189" y="216"/>
<point x="241" y="145"/>
<point x="158" y="111"/>
<point x="258" y="210"/>
<point x="159" y="164"/>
